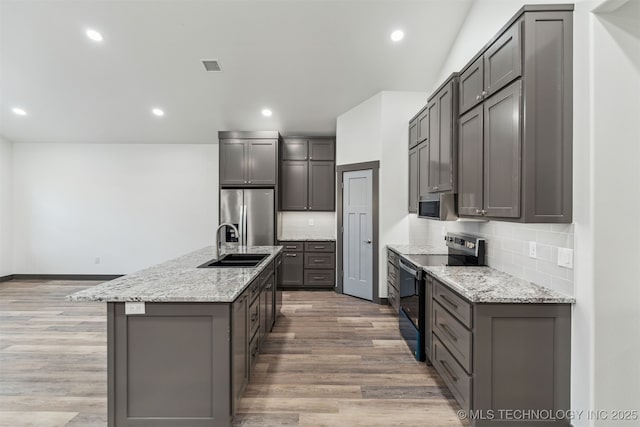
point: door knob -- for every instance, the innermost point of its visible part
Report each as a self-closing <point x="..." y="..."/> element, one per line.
<point x="368" y="241"/>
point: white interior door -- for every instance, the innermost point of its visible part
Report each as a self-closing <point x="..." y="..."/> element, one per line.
<point x="357" y="215"/>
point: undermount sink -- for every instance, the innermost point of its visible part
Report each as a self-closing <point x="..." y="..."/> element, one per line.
<point x="235" y="260"/>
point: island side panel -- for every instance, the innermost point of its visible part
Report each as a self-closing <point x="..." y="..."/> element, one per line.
<point x="170" y="366"/>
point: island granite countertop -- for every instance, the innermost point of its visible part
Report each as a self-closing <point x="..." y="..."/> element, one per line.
<point x="488" y="285"/>
<point x="180" y="280"/>
<point x="404" y="249"/>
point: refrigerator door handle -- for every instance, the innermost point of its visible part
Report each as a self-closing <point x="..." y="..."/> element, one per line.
<point x="244" y="225"/>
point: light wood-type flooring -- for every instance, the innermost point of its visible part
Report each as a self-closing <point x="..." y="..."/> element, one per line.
<point x="331" y="360"/>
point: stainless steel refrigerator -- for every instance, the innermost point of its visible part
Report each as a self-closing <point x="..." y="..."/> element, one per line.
<point x="252" y="211"/>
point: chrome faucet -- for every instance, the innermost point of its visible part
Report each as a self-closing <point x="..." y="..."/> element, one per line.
<point x="217" y="242"/>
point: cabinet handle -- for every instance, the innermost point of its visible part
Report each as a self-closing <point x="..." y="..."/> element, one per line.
<point x="436" y="188"/>
<point x="291" y="255"/>
<point x="449" y="332"/>
<point x="484" y="93"/>
<point x="245" y="182"/>
<point x="291" y="247"/>
<point x="310" y="157"/>
<point x="249" y="182"/>
<point x="318" y="277"/>
<point x="478" y="97"/>
<point x="318" y="247"/>
<point x="318" y="261"/>
<point x="305" y="208"/>
<point x="446" y="367"/>
<point x="448" y="301"/>
<point x="479" y="211"/>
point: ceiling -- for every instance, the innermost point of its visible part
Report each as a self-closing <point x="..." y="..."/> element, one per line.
<point x="307" y="60"/>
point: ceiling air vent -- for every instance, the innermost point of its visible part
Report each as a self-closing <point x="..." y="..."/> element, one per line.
<point x="212" y="65"/>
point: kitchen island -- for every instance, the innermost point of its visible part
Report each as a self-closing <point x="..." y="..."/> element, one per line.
<point x="182" y="339"/>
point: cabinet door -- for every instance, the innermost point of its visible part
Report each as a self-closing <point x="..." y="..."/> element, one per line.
<point x="413" y="133"/>
<point x="322" y="149"/>
<point x="502" y="61"/>
<point x="423" y="169"/>
<point x="294" y="149"/>
<point x="294" y="185"/>
<point x="233" y="163"/>
<point x="502" y="152"/>
<point x="322" y="186"/>
<point x="292" y="268"/>
<point x="240" y="348"/>
<point x="433" y="178"/>
<point x="262" y="162"/>
<point x="268" y="315"/>
<point x="471" y="85"/>
<point x="445" y="139"/>
<point x="470" y="162"/>
<point x="423" y="126"/>
<point x="413" y="180"/>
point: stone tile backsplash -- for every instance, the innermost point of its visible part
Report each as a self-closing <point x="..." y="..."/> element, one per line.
<point x="508" y="247"/>
<point x="296" y="225"/>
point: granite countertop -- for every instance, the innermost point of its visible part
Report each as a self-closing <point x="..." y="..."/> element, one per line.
<point x="299" y="238"/>
<point x="180" y="280"/>
<point x="487" y="285"/>
<point x="403" y="249"/>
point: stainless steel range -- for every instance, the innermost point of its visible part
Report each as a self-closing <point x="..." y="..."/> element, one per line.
<point x="415" y="324"/>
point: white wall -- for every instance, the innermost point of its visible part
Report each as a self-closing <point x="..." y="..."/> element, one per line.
<point x="6" y="207"/>
<point x="129" y="205"/>
<point x="310" y="225"/>
<point x="605" y="342"/>
<point x="377" y="130"/>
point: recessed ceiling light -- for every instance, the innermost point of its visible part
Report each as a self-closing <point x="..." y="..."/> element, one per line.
<point x="397" y="35"/>
<point x="19" y="111"/>
<point x="157" y="112"/>
<point x="267" y="112"/>
<point x="94" y="35"/>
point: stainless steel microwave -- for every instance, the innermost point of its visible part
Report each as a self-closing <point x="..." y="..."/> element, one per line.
<point x="440" y="206"/>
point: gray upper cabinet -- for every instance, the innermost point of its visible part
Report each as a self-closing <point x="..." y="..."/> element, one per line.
<point x="470" y="163"/>
<point x="413" y="180"/>
<point x="502" y="153"/>
<point x="308" y="183"/>
<point x="295" y="149"/>
<point x="525" y="127"/>
<point x="248" y="158"/>
<point x="471" y="85"/>
<point x="322" y="185"/>
<point x="423" y="125"/>
<point x="500" y="64"/>
<point x="294" y="185"/>
<point x="413" y="133"/>
<point x="502" y="61"/>
<point x="443" y="114"/>
<point x="322" y="149"/>
<point x="423" y="169"/>
<point x="262" y="161"/>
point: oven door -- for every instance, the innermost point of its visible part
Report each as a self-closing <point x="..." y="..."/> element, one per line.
<point x="411" y="319"/>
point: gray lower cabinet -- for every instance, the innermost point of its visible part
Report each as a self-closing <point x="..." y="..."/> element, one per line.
<point x="413" y="180"/>
<point x="393" y="279"/>
<point x="308" y="265"/>
<point x="307" y="174"/>
<point x="184" y="364"/>
<point x="248" y="158"/>
<point x="525" y="127"/>
<point x="499" y="357"/>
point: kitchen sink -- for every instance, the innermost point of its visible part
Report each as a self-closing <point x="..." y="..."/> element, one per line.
<point x="235" y="260"/>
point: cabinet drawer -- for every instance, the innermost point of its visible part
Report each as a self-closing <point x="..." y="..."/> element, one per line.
<point x="319" y="246"/>
<point x="254" y="349"/>
<point x="392" y="273"/>
<point x="254" y="317"/>
<point x="323" y="278"/>
<point x="392" y="257"/>
<point x="456" y="305"/>
<point x="457" y="380"/>
<point x="319" y="260"/>
<point x="393" y="296"/>
<point x="292" y="246"/>
<point x="453" y="335"/>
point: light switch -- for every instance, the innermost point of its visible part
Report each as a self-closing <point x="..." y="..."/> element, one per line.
<point x="565" y="257"/>
<point x="533" y="250"/>
<point x="133" y="308"/>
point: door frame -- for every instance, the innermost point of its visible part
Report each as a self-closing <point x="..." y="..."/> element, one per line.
<point x="341" y="169"/>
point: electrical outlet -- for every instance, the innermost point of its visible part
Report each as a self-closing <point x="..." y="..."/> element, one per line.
<point x="97" y="260"/>
<point x="133" y="308"/>
<point x="311" y="221"/>
<point x="533" y="250"/>
<point x="565" y="257"/>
